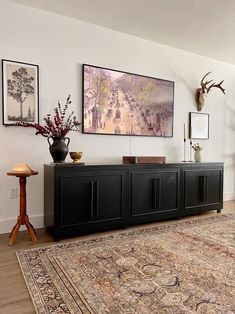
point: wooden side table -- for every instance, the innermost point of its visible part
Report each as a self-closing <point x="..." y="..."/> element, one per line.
<point x="23" y="218"/>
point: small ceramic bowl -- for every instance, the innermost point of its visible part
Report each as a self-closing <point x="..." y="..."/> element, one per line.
<point x="76" y="156"/>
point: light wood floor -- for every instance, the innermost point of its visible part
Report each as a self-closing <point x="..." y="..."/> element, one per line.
<point x="14" y="296"/>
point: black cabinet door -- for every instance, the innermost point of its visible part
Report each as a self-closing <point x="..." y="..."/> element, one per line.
<point x="75" y="199"/>
<point x="153" y="192"/>
<point x="202" y="188"/>
<point x="109" y="196"/>
<point x="85" y="198"/>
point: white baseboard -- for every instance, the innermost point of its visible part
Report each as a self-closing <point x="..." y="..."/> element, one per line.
<point x="6" y="225"/>
<point x="229" y="196"/>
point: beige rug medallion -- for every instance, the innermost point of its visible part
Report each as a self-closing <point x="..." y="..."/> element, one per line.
<point x="179" y="268"/>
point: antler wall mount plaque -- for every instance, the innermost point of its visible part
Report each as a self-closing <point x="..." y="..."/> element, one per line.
<point x="202" y="91"/>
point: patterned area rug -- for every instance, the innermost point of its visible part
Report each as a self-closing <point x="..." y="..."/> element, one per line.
<point x="179" y="268"/>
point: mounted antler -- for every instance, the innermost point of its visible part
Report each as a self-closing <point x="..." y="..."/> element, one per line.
<point x="204" y="90"/>
<point x="204" y="84"/>
<point x="218" y="86"/>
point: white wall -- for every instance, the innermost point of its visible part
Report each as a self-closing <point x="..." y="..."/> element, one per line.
<point x="60" y="45"/>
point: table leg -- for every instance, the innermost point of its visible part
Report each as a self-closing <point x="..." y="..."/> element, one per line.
<point x="31" y="230"/>
<point x="14" y="233"/>
<point x="12" y="230"/>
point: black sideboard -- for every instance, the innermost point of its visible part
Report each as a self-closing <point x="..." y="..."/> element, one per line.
<point x="88" y="198"/>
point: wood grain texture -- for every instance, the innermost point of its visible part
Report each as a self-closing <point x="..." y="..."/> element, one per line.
<point x="144" y="159"/>
<point x="14" y="296"/>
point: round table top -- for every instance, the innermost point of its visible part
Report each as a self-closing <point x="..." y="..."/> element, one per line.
<point x="22" y="174"/>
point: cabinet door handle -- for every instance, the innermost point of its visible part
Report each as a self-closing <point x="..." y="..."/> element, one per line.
<point x="92" y="199"/>
<point x="97" y="198"/>
<point x="154" y="187"/>
<point x="158" y="192"/>
<point x="203" y="189"/>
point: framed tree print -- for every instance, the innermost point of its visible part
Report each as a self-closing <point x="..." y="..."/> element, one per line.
<point x="20" y="92"/>
<point x="199" y="125"/>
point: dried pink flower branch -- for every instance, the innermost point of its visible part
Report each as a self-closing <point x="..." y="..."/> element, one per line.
<point x="57" y="126"/>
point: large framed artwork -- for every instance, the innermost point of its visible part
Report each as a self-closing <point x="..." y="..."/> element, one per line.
<point x="20" y="92"/>
<point x="122" y="103"/>
<point x="199" y="125"/>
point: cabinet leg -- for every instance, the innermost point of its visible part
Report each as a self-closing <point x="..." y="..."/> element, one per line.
<point x="219" y="211"/>
<point x="124" y="227"/>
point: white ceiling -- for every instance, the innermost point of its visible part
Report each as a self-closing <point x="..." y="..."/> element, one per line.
<point x="205" y="27"/>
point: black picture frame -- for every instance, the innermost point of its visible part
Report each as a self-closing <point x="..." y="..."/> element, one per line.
<point x="20" y="92"/>
<point x="199" y="125"/>
<point x="113" y="105"/>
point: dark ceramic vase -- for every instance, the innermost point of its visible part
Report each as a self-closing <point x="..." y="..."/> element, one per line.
<point x="58" y="148"/>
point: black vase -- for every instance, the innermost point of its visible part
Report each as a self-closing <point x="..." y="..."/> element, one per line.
<point x="59" y="148"/>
